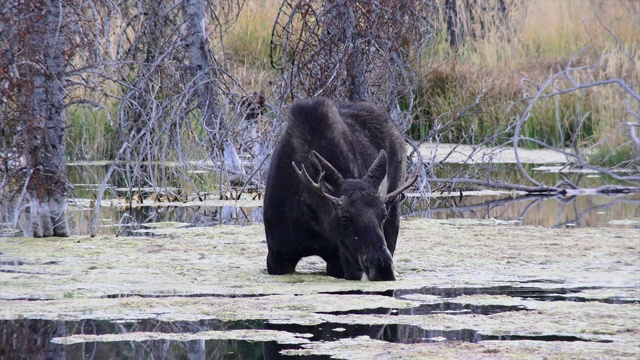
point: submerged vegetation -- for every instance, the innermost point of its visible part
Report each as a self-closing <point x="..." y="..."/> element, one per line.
<point x="464" y="290"/>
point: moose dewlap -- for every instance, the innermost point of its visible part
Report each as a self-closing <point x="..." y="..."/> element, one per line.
<point x="333" y="189"/>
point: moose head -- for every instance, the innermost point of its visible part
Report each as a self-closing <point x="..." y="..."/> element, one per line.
<point x="355" y="220"/>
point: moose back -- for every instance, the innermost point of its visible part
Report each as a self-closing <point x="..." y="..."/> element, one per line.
<point x="333" y="188"/>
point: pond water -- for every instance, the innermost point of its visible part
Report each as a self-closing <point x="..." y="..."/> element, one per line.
<point x="525" y="298"/>
<point x="53" y="339"/>
<point x="43" y="346"/>
<point x="130" y="218"/>
<point x="580" y="211"/>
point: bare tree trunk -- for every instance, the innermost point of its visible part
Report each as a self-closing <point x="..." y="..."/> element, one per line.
<point x="45" y="155"/>
<point x="206" y="83"/>
<point x="199" y="66"/>
<point x="358" y="88"/>
<point x="451" y="15"/>
<point x="343" y="25"/>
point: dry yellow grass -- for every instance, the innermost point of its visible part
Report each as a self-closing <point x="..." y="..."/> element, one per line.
<point x="580" y="20"/>
<point x="551" y="33"/>
<point x="554" y="29"/>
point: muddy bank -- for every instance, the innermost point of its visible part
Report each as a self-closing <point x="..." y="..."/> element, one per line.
<point x="561" y="293"/>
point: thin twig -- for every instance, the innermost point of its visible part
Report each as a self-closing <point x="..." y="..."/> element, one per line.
<point x="96" y="210"/>
<point x="16" y="213"/>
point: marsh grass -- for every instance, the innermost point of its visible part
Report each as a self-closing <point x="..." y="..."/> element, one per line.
<point x="489" y="70"/>
<point x="89" y="133"/>
<point x="247" y="41"/>
<point x="508" y="73"/>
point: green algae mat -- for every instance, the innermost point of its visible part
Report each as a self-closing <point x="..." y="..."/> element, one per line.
<point x="465" y="289"/>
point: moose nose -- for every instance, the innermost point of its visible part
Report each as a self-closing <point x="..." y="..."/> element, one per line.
<point x="378" y="265"/>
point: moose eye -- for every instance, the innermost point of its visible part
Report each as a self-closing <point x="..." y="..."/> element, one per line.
<point x="344" y="219"/>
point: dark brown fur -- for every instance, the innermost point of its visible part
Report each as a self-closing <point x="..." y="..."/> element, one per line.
<point x="352" y="225"/>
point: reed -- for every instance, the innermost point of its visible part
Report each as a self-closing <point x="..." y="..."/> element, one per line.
<point x="552" y="32"/>
<point x="247" y="41"/>
<point x="90" y="134"/>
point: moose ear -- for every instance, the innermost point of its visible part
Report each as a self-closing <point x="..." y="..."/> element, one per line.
<point x="332" y="177"/>
<point x="377" y="171"/>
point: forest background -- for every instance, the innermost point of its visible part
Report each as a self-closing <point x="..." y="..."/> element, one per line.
<point x="165" y="91"/>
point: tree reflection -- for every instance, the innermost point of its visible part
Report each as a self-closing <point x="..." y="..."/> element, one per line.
<point x="31" y="339"/>
<point x="548" y="211"/>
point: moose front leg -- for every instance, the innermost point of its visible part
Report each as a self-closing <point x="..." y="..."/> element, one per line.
<point x="351" y="267"/>
<point x="342" y="268"/>
<point x="334" y="268"/>
<point x="279" y="263"/>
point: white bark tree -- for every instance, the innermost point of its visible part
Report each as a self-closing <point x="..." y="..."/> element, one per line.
<point x="33" y="114"/>
<point x="205" y="78"/>
<point x="46" y="190"/>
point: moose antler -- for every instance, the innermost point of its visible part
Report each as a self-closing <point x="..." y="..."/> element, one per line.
<point x="402" y="188"/>
<point x="334" y="178"/>
<point x="408" y="183"/>
<point x="317" y="187"/>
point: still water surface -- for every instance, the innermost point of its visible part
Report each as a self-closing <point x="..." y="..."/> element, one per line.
<point x="144" y="339"/>
<point x="580" y="211"/>
<point x="40" y="338"/>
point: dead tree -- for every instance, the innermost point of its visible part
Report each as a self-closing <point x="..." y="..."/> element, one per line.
<point x="575" y="80"/>
<point x="206" y="85"/>
<point x="357" y="50"/>
<point x="47" y="189"/>
<point x="36" y="55"/>
<point x="468" y="20"/>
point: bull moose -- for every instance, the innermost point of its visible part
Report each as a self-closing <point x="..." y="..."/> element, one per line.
<point x="333" y="188"/>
